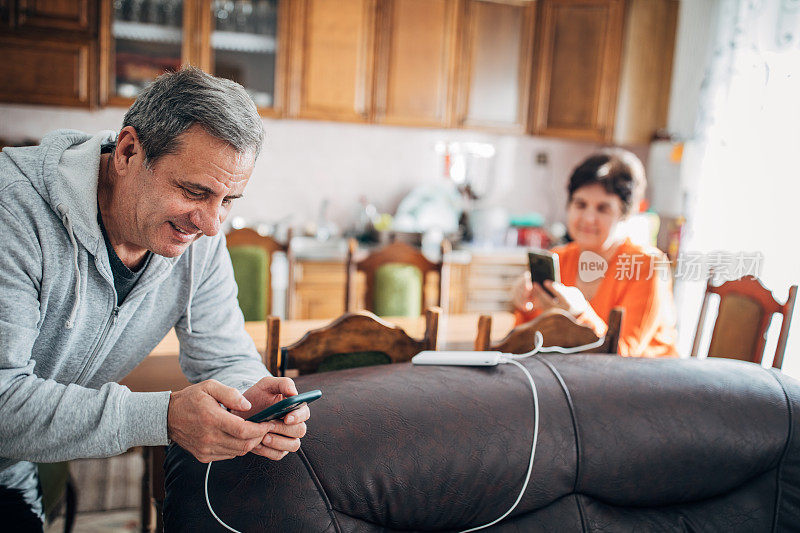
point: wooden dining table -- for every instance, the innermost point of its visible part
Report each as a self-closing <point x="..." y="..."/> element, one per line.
<point x="160" y="370"/>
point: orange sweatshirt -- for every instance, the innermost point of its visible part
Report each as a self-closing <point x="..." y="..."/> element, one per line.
<point x="637" y="279"/>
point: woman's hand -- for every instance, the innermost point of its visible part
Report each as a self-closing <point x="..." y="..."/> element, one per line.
<point x="570" y="299"/>
<point x="522" y="293"/>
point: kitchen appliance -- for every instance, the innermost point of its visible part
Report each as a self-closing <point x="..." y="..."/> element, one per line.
<point x="470" y="166"/>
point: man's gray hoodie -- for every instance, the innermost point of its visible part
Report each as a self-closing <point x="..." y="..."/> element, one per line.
<point x="64" y="340"/>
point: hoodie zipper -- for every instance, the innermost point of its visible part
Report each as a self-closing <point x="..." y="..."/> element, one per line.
<point x="109" y="323"/>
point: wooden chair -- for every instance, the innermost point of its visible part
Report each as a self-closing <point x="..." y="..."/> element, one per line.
<point x="396" y="252"/>
<point x="558" y="328"/>
<point x="250" y="237"/>
<point x="745" y="312"/>
<point x="58" y="492"/>
<point x="350" y="333"/>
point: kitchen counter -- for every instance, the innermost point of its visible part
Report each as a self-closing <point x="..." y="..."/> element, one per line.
<point x="481" y="278"/>
<point x="334" y="250"/>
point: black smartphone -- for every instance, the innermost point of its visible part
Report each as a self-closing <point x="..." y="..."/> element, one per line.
<point x="544" y="266"/>
<point x="284" y="407"/>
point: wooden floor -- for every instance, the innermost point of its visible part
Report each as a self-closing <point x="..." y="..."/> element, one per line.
<point x="109" y="494"/>
<point x="119" y="521"/>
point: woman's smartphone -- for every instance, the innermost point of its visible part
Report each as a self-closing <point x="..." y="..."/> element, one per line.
<point x="544" y="266"/>
<point x="284" y="407"/>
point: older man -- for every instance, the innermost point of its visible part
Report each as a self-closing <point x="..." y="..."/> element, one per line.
<point x="106" y="243"/>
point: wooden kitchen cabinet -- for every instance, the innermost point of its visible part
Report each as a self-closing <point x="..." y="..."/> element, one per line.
<point x="490" y="278"/>
<point x="596" y="70"/>
<point x="49" y="52"/>
<point x="578" y="65"/>
<point x="456" y="293"/>
<point x="332" y="59"/>
<point x="643" y="105"/>
<point x="136" y="45"/>
<point x="387" y="61"/>
<point x="319" y="288"/>
<point x="481" y="285"/>
<point x="46" y="71"/>
<point x="248" y="45"/>
<point x="5" y="13"/>
<point x="74" y="15"/>
<point x="494" y="67"/>
<point x="242" y="41"/>
<point x="415" y="67"/>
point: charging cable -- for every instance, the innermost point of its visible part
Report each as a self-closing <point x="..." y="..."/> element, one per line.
<point x="513" y="361"/>
<point x="576" y="349"/>
<point x="506" y="358"/>
<point x="538" y="348"/>
<point x="208" y="503"/>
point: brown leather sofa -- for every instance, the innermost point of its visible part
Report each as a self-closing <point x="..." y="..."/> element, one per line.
<point x="624" y="445"/>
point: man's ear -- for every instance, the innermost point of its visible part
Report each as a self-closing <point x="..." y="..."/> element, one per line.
<point x="129" y="155"/>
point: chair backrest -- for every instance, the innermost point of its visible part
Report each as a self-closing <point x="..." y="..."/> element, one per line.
<point x="558" y="328"/>
<point x="745" y="312"/>
<point x="352" y="333"/>
<point x="242" y="241"/>
<point x="392" y="255"/>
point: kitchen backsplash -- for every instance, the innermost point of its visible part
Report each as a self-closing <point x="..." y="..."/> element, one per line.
<point x="306" y="162"/>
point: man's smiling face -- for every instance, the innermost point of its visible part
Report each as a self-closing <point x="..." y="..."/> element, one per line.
<point x="184" y="195"/>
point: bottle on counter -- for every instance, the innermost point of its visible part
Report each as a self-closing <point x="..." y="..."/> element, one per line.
<point x="366" y="216"/>
<point x="325" y="227"/>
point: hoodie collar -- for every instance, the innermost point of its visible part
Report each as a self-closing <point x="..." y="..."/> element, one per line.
<point x="66" y="176"/>
<point x="69" y="172"/>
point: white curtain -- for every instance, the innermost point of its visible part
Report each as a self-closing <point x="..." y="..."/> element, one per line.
<point x="742" y="168"/>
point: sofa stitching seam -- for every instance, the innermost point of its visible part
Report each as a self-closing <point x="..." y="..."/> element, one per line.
<point x="318" y="484"/>
<point x="578" y="455"/>
<point x="785" y="449"/>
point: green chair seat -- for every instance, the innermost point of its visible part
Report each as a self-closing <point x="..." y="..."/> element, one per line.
<point x="397" y="290"/>
<point x="251" y="271"/>
<point x="342" y="361"/>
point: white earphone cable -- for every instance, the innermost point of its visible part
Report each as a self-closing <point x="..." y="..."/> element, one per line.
<point x="505" y="358"/>
<point x="208" y="503"/>
<point x="533" y="447"/>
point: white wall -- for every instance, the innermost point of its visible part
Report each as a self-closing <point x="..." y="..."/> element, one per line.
<point x="304" y="162"/>
<point x="734" y="100"/>
<point x="694" y="48"/>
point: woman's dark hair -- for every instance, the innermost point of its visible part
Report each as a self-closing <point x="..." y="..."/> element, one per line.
<point x="618" y="171"/>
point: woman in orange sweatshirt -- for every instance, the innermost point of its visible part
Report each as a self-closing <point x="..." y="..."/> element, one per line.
<point x="601" y="269"/>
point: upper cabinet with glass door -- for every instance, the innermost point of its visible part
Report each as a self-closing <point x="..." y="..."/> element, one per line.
<point x="146" y="38"/>
<point x="234" y="39"/>
<point x="245" y="46"/>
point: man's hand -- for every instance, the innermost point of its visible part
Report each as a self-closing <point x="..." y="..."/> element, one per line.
<point x="283" y="435"/>
<point x="197" y="422"/>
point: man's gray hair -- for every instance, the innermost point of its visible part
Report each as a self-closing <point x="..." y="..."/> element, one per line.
<point x="176" y="101"/>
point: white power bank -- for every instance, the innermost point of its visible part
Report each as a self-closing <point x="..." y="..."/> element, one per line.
<point x="429" y="357"/>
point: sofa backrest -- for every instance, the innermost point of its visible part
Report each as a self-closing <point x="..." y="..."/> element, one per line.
<point x="624" y="444"/>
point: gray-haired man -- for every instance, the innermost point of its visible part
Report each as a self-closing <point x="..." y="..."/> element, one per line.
<point x="93" y="231"/>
